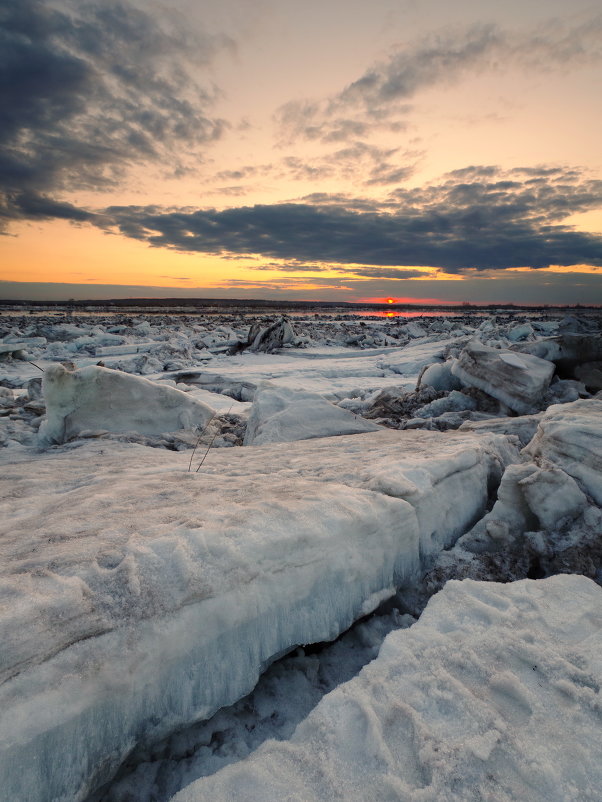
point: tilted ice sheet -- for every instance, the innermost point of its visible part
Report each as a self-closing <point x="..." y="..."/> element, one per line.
<point x="494" y="694"/>
<point x="279" y="415"/>
<point x="417" y="355"/>
<point x="523" y="426"/>
<point x="517" y="380"/>
<point x="137" y="597"/>
<point x="99" y="398"/>
<point x="570" y="436"/>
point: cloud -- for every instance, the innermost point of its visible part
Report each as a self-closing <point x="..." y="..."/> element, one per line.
<point x="247" y="171"/>
<point x="380" y="98"/>
<point x="347" y="163"/>
<point x="365" y="271"/>
<point x="386" y="272"/>
<point x="484" y="218"/>
<point x="381" y="166"/>
<point x="387" y="173"/>
<point x="288" y="282"/>
<point x="90" y="89"/>
<point x="232" y="191"/>
<point x="291" y="267"/>
<point x="30" y="204"/>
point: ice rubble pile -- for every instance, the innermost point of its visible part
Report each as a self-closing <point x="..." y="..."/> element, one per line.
<point x="495" y="364"/>
<point x="94" y="398"/>
<point x="547" y="515"/>
<point x="140" y="597"/>
<point x="493" y="694"/>
<point x="19" y="347"/>
<point x="271" y="337"/>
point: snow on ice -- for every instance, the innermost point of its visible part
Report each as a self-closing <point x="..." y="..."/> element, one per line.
<point x="170" y="591"/>
<point x="493" y="694"/>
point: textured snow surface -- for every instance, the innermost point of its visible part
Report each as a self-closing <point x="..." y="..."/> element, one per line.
<point x="494" y="694"/>
<point x="138" y="597"/>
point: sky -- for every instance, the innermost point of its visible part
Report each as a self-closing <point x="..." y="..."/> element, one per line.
<point x="418" y="150"/>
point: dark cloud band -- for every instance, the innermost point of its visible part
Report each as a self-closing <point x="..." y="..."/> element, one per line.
<point x="482" y="218"/>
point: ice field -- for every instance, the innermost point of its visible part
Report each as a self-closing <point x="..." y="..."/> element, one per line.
<point x="225" y="530"/>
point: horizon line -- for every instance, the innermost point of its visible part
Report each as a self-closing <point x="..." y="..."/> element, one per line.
<point x="183" y="301"/>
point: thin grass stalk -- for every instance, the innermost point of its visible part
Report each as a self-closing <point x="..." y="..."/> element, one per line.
<point x="211" y="443"/>
<point x="203" y="430"/>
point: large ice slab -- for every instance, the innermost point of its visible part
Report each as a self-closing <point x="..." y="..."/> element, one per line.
<point x="493" y="695"/>
<point x="566" y="350"/>
<point x="138" y="597"/>
<point x="280" y="415"/>
<point x="570" y="436"/>
<point x="98" y="398"/>
<point x="517" y="380"/>
<point x="523" y="426"/>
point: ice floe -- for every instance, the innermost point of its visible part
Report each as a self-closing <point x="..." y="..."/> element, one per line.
<point x="95" y="398"/>
<point x="517" y="380"/>
<point x="144" y="597"/>
<point x="570" y="435"/>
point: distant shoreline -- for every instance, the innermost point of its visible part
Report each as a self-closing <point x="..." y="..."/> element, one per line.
<point x="213" y="305"/>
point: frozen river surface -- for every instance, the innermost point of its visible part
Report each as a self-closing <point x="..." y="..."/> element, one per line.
<point x="158" y="623"/>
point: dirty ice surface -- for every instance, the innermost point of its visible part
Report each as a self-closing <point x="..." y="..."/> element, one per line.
<point x="158" y="623"/>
